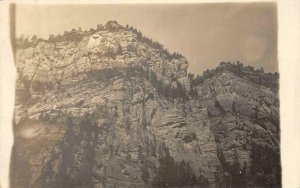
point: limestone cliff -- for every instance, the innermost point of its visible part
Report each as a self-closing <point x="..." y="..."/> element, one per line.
<point x="111" y="108"/>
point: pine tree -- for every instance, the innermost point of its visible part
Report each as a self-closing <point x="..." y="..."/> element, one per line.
<point x="34" y="39"/>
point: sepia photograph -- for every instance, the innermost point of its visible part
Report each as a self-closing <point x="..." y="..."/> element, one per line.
<point x="146" y="95"/>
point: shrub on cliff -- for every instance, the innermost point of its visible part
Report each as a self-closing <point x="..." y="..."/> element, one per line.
<point x="265" y="165"/>
<point x="172" y="174"/>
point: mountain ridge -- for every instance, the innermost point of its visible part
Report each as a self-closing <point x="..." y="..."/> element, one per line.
<point x="114" y="108"/>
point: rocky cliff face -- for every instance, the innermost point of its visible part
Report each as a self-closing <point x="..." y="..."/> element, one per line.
<point x="111" y="108"/>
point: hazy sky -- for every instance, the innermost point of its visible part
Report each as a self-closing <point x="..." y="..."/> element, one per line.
<point x="205" y="34"/>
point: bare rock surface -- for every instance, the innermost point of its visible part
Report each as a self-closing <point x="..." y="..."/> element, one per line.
<point x="109" y="108"/>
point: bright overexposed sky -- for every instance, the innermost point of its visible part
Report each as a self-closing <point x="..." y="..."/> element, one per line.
<point x="205" y="34"/>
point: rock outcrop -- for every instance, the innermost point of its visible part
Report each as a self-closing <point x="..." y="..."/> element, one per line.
<point x="111" y="108"/>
